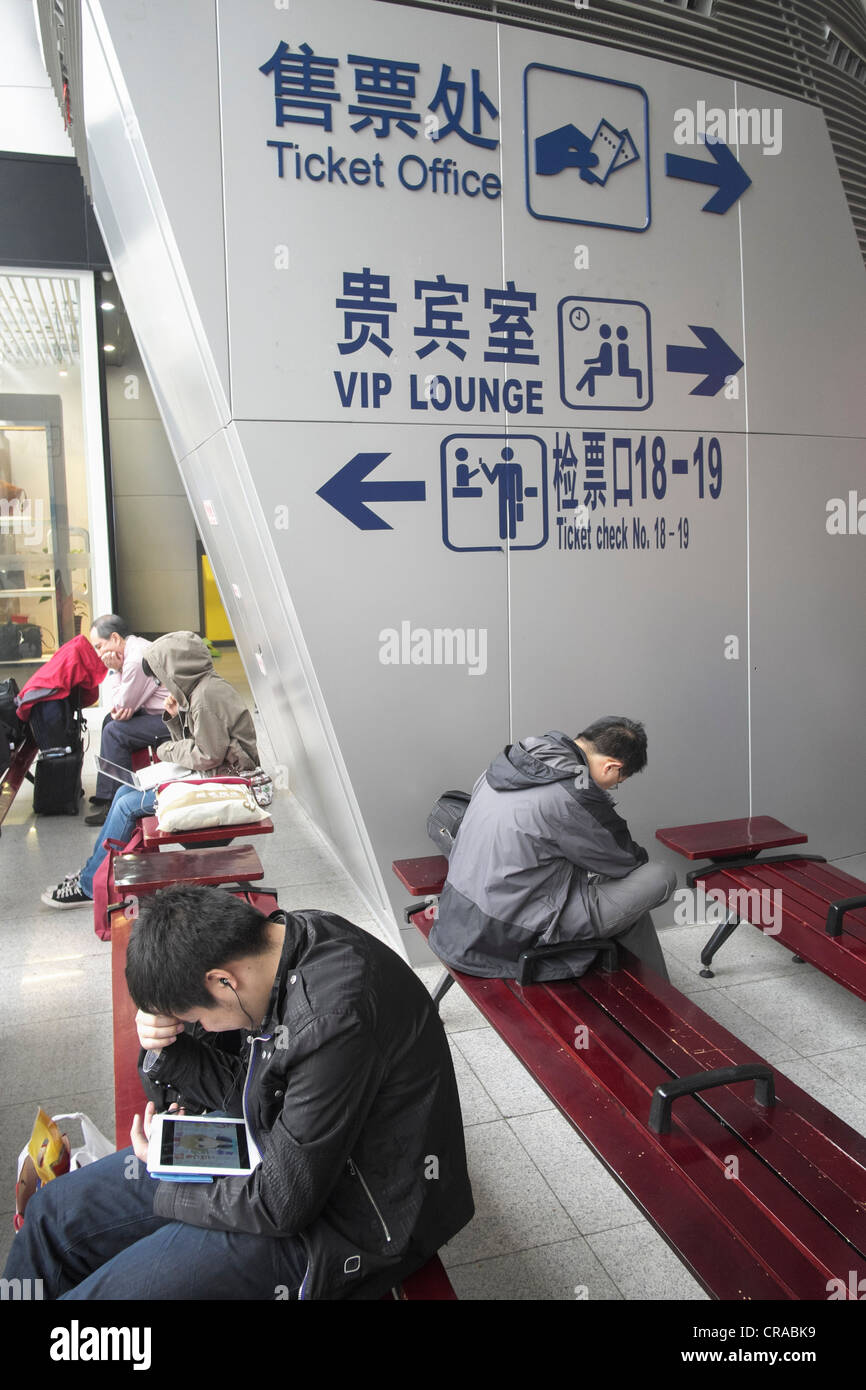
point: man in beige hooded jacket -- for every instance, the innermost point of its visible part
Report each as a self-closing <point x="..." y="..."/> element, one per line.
<point x="212" y="733"/>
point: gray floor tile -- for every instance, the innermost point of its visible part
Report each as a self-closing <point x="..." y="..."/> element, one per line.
<point x="506" y="1080"/>
<point x="51" y="938"/>
<point x="855" y="864"/>
<point x="746" y="956"/>
<point x="564" y="1272"/>
<point x="55" y="989"/>
<point x="592" y="1198"/>
<point x="811" y="1014"/>
<point x="810" y="1075"/>
<point x="720" y="1006"/>
<point x="456" y="1010"/>
<point x="331" y="895"/>
<point x="643" y="1266"/>
<point x="475" y="1103"/>
<point x="514" y="1207"/>
<point x="36" y="1060"/>
<point x="846" y="1068"/>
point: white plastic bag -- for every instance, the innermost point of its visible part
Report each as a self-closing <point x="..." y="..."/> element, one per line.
<point x="95" y="1143"/>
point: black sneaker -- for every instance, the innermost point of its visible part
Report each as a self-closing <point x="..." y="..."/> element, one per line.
<point x="100" y="800"/>
<point x="100" y="815"/>
<point x="66" y="894"/>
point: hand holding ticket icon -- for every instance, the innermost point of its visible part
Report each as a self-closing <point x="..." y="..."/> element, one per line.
<point x="565" y="148"/>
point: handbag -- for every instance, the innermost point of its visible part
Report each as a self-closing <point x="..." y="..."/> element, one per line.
<point x="444" y="819"/>
<point x="198" y="805"/>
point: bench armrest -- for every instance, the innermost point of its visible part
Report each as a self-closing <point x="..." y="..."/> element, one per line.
<point x="527" y="960"/>
<point x="669" y="1091"/>
<point x="837" y="911"/>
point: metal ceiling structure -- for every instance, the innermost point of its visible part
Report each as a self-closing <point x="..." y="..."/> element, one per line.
<point x="39" y="318"/>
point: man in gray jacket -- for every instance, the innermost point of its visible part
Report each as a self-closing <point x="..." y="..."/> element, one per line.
<point x="542" y="857"/>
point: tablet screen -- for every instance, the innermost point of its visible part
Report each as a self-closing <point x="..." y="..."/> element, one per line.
<point x="190" y="1143"/>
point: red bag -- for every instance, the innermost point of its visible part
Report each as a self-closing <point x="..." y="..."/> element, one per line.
<point x="105" y="895"/>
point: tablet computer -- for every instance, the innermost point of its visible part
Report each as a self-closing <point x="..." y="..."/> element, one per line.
<point x="206" y="1145"/>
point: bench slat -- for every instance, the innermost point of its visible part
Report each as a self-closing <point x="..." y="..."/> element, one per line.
<point x="718" y="1256"/>
<point x="729" y="838"/>
<point x="673" y="1012"/>
<point x="424" y="876"/>
<point x="672" y="1199"/>
<point x="207" y="867"/>
<point x="154" y="837"/>
<point x="842" y="958"/>
<point x="832" y="1181"/>
<point x="787" y="1235"/>
<point x="803" y="890"/>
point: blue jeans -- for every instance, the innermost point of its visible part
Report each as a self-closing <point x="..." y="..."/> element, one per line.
<point x="123" y="737"/>
<point x="93" y="1234"/>
<point x="128" y="806"/>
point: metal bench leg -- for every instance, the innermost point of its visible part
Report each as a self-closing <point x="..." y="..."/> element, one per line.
<point x="718" y="938"/>
<point x="442" y="987"/>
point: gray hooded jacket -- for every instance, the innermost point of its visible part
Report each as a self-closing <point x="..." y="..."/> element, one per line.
<point x="535" y="830"/>
<point x="213" y="731"/>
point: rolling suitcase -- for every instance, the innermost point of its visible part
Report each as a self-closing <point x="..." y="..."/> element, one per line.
<point x="58" y="790"/>
<point x="56" y="727"/>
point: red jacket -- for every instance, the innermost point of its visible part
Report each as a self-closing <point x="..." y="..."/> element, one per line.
<point x="73" y="666"/>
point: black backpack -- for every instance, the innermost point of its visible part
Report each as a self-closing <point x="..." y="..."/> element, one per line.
<point x="57" y="723"/>
<point x="444" y="820"/>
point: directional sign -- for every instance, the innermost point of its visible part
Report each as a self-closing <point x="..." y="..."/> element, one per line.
<point x="725" y="173"/>
<point x="715" y="361"/>
<point x="348" y="493"/>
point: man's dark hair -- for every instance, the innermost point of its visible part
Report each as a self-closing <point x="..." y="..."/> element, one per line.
<point x="108" y="624"/>
<point x="617" y="737"/>
<point x="181" y="934"/>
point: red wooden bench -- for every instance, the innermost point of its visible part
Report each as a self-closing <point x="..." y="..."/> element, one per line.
<point x="17" y="772"/>
<point x="762" y="1195"/>
<point x="218" y="835"/>
<point x="811" y="907"/>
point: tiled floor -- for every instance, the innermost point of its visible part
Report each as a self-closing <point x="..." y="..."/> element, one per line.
<point x="551" y="1223"/>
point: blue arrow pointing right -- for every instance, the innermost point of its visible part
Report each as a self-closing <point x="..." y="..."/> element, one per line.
<point x="725" y="172"/>
<point x="715" y="361"/>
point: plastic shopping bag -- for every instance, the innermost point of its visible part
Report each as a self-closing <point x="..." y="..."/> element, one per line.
<point x="49" y="1155"/>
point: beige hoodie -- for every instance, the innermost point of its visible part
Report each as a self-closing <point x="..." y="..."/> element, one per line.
<point x="213" y="732"/>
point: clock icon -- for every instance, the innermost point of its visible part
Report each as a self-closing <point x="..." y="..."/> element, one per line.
<point x="579" y="318"/>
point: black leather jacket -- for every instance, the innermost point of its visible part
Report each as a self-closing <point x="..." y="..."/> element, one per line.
<point x="350" y="1093"/>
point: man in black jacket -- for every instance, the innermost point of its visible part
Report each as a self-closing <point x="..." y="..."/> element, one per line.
<point x="346" y="1082"/>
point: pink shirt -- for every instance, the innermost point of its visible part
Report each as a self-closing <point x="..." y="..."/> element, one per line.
<point x="130" y="688"/>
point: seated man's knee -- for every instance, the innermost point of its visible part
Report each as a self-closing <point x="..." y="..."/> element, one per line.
<point x="661" y="880"/>
<point x="112" y="738"/>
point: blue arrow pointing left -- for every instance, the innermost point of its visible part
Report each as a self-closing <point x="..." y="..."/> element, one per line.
<point x="348" y="493"/>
